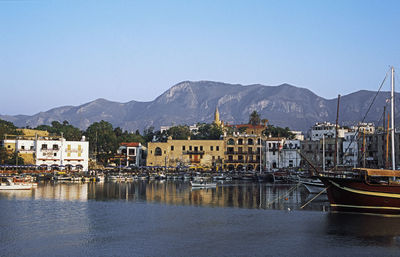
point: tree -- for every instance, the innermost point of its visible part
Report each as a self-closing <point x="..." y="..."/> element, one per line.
<point x="69" y="132"/>
<point x="179" y="132"/>
<point x="254" y="118"/>
<point x="208" y="132"/>
<point x="7" y="127"/>
<point x="102" y="140"/>
<point x="278" y="132"/>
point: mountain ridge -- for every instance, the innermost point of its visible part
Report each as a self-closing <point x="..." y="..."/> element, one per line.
<point x="189" y="102"/>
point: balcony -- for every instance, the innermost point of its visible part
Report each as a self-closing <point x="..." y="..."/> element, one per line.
<point x="193" y="152"/>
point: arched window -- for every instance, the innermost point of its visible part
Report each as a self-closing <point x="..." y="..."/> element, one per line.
<point x="240" y="141"/>
<point x="250" y="141"/>
<point x="157" y="151"/>
<point x="231" y="141"/>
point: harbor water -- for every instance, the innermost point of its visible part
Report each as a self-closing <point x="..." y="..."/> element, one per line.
<point x="169" y="218"/>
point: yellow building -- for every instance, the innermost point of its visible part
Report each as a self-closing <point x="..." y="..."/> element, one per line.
<point x="242" y="152"/>
<point x="206" y="154"/>
<point x="25" y="144"/>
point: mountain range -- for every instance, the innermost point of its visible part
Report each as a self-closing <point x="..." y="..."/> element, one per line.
<point x="191" y="102"/>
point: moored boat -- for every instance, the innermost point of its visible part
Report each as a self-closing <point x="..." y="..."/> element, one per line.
<point x="202" y="183"/>
<point x="313" y="185"/>
<point x="373" y="191"/>
<point x="362" y="190"/>
<point x="7" y="183"/>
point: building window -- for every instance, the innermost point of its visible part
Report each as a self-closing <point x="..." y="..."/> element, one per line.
<point x="44" y="146"/>
<point x="9" y="146"/>
<point x="250" y="141"/>
<point x="157" y="151"/>
<point x="55" y="154"/>
<point x="132" y="151"/>
<point x="231" y="141"/>
<point x="211" y="148"/>
<point x="22" y="147"/>
<point x="190" y="148"/>
<point x="172" y="147"/>
<point x="183" y="148"/>
<point x="217" y="148"/>
<point x="240" y="141"/>
<point x="201" y="148"/>
<point x="55" y="147"/>
<point x="31" y="147"/>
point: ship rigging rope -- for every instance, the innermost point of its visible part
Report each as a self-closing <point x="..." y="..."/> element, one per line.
<point x="287" y="193"/>
<point x="365" y="116"/>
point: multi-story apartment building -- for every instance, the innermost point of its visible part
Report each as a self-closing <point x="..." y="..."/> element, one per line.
<point x="313" y="151"/>
<point x="242" y="152"/>
<point x="325" y="129"/>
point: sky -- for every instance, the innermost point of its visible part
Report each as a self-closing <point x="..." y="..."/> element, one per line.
<point x="56" y="53"/>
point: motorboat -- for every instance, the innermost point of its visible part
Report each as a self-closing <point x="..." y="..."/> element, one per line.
<point x="202" y="183"/>
<point x="8" y="184"/>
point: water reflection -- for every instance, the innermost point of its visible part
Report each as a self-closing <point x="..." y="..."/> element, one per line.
<point x="370" y="229"/>
<point x="114" y="219"/>
<point x="234" y="194"/>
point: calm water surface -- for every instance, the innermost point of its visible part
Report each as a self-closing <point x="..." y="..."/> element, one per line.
<point x="170" y="219"/>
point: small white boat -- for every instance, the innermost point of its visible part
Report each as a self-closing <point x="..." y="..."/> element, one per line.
<point x="8" y="184"/>
<point x="202" y="183"/>
<point x="314" y="186"/>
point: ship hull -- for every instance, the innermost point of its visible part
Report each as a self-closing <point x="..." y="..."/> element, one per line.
<point x="355" y="195"/>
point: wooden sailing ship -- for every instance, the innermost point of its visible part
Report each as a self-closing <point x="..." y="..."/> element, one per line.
<point x="361" y="190"/>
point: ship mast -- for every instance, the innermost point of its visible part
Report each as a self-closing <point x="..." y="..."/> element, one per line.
<point x="392" y="120"/>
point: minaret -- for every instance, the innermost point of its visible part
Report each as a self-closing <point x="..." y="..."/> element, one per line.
<point x="216" y="117"/>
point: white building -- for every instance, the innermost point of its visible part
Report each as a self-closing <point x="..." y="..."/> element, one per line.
<point x="367" y="128"/>
<point x="52" y="153"/>
<point x="326" y="129"/>
<point x="298" y="135"/>
<point x="290" y="156"/>
<point x="71" y="155"/>
<point x="350" y="149"/>
<point x="192" y="128"/>
<point x="282" y="153"/>
<point x="132" y="153"/>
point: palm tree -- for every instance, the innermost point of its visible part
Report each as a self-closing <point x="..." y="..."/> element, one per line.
<point x="254" y="118"/>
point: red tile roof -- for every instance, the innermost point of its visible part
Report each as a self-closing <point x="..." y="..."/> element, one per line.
<point x="132" y="144"/>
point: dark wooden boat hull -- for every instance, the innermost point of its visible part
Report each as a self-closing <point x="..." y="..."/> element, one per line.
<point x="355" y="195"/>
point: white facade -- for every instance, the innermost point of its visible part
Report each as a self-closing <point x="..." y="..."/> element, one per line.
<point x="132" y="153"/>
<point x="326" y="129"/>
<point x="192" y="128"/>
<point x="367" y="128"/>
<point x="350" y="149"/>
<point x="281" y="153"/>
<point x="298" y="135"/>
<point x="72" y="155"/>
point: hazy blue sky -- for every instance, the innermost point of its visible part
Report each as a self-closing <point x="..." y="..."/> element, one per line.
<point x="55" y="53"/>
